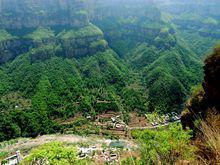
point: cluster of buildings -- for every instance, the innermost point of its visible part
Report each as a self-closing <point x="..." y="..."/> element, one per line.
<point x="165" y="119"/>
<point x="13" y="160"/>
<point x="118" y="124"/>
<point x="106" y="155"/>
<point x="102" y="154"/>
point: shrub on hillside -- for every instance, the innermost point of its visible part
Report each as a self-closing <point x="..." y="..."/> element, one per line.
<point x="165" y="145"/>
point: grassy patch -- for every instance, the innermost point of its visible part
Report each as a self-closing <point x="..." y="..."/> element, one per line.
<point x="99" y="43"/>
<point x="88" y="31"/>
<point x="3" y="154"/>
<point x="41" y="34"/>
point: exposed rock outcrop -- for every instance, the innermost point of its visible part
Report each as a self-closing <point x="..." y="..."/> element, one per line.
<point x="72" y="43"/>
<point x="211" y="83"/>
<point x="207" y="99"/>
<point x="35" y="13"/>
<point x="12" y="48"/>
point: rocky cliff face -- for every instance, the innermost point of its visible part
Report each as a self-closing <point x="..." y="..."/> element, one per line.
<point x="11" y="48"/>
<point x="28" y="24"/>
<point x="127" y="24"/>
<point x="211" y="83"/>
<point x="202" y="112"/>
<point x="82" y="42"/>
<point x="34" y="13"/>
<point x="208" y="98"/>
<point x="72" y="43"/>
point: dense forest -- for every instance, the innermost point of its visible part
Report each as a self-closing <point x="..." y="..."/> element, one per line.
<point x="58" y="58"/>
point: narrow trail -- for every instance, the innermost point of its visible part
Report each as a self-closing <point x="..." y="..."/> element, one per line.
<point x="155" y="127"/>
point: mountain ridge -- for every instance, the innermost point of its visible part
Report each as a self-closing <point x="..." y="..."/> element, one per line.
<point x="120" y="58"/>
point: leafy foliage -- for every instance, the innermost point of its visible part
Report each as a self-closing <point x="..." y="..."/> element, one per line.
<point x="41" y="34"/>
<point x="90" y="30"/>
<point x="69" y="67"/>
<point x="59" y="88"/>
<point x="54" y="153"/>
<point x="201" y="45"/>
<point x="164" y="145"/>
<point x="168" y="74"/>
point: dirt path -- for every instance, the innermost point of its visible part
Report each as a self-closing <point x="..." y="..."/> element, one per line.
<point x="151" y="127"/>
<point x="27" y="144"/>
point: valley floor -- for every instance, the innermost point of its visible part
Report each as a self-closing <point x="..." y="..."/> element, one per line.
<point x="94" y="136"/>
<point x="84" y="145"/>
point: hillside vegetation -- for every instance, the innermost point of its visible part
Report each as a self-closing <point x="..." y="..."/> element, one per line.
<point x="69" y="58"/>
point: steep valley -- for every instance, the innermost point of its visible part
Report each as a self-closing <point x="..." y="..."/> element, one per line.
<point x="136" y="61"/>
<point x="79" y="67"/>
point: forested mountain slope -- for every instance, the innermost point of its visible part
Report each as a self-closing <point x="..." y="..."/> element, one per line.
<point x="153" y="48"/>
<point x="58" y="58"/>
<point x="197" y="22"/>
